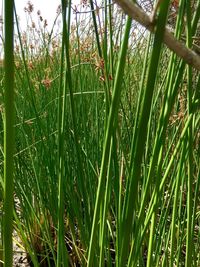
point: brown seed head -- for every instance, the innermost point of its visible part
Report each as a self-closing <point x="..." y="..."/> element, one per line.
<point x="29" y="7"/>
<point x="47" y="83"/>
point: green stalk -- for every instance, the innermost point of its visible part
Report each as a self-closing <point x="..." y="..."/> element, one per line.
<point x="152" y="202"/>
<point x="189" y="238"/>
<point x="104" y="212"/>
<point x="61" y="128"/>
<point x="96" y="28"/>
<point x="109" y="133"/>
<point x="111" y="58"/>
<point x="131" y="193"/>
<point x="169" y="99"/>
<point x="153" y="222"/>
<point x="9" y="137"/>
<point x="66" y="33"/>
<point x="145" y="64"/>
<point x="175" y="207"/>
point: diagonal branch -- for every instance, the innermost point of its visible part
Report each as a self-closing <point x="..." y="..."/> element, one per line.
<point x="136" y="13"/>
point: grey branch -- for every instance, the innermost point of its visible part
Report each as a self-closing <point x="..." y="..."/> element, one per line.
<point x="136" y="13"/>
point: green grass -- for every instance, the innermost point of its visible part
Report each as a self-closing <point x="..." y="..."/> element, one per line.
<point x="8" y="134"/>
<point x="106" y="166"/>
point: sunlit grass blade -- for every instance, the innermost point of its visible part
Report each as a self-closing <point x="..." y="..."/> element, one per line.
<point x="190" y="227"/>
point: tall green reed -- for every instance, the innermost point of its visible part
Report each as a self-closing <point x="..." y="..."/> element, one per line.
<point x="190" y="227"/>
<point x="139" y="139"/>
<point x="9" y="136"/>
<point x="109" y="133"/>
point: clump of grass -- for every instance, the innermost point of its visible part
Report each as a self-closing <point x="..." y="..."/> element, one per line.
<point x="107" y="141"/>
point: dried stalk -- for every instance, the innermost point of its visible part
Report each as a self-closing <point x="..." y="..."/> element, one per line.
<point x="136" y="13"/>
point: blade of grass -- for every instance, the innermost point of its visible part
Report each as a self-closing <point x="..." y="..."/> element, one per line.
<point x="96" y="28"/>
<point x="175" y="208"/>
<point x="61" y="250"/>
<point x="190" y="227"/>
<point x="8" y="133"/>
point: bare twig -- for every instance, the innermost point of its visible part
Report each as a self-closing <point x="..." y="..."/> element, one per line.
<point x="135" y="12"/>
